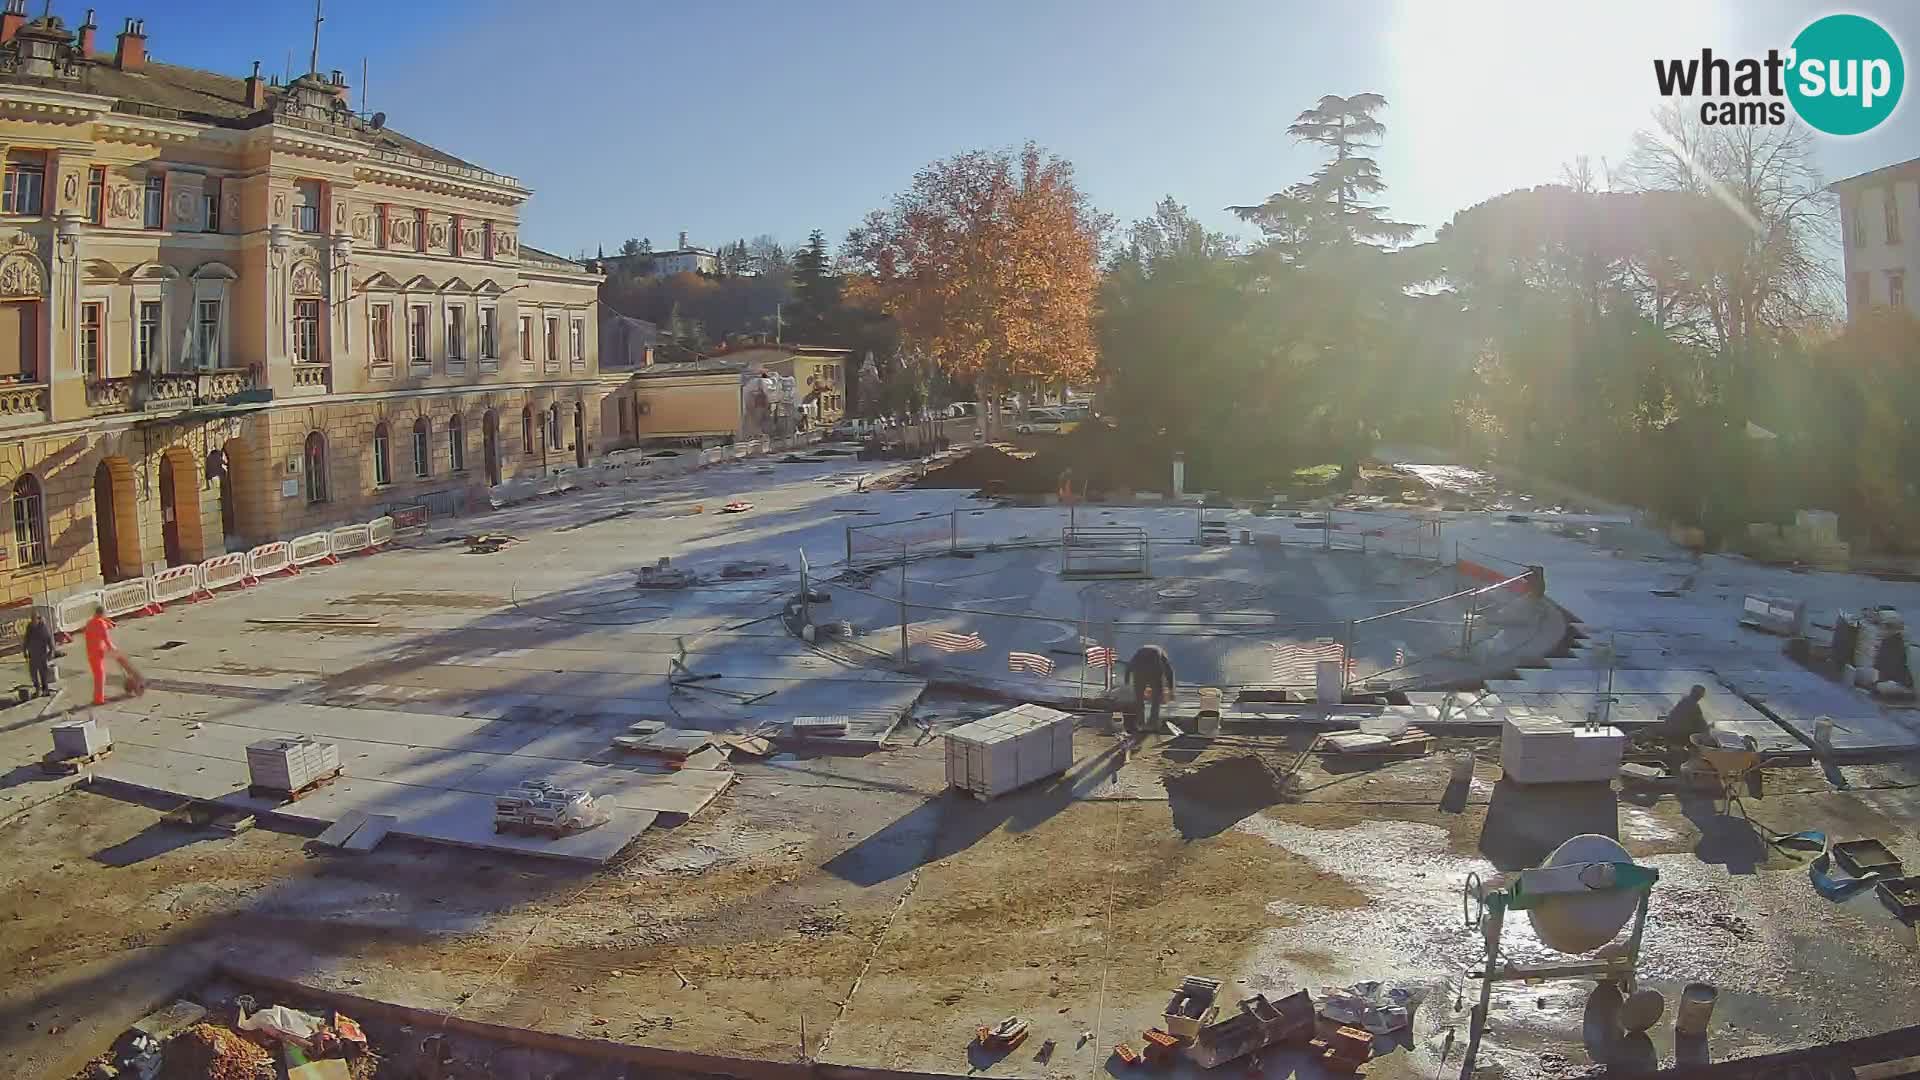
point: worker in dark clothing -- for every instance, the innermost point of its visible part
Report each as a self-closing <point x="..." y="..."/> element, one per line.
<point x="1151" y="674"/>
<point x="39" y="645"/>
<point x="1685" y="720"/>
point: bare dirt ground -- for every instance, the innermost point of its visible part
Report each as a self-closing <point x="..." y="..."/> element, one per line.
<point x="894" y="918"/>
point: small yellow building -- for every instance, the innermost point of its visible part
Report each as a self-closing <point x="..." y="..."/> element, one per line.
<point x="819" y="373"/>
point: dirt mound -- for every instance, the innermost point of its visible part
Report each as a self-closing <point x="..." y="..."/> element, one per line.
<point x="1240" y="781"/>
<point x="995" y="471"/>
<point x="211" y="1052"/>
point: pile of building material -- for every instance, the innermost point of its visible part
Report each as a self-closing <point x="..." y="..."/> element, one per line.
<point x="77" y="744"/>
<point x="290" y="767"/>
<point x="1537" y="749"/>
<point x="1813" y="538"/>
<point x="1870" y="649"/>
<point x="662" y="575"/>
<point x="538" y="806"/>
<point x="997" y="754"/>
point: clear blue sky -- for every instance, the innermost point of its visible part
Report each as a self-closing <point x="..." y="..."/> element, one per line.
<point x="729" y="118"/>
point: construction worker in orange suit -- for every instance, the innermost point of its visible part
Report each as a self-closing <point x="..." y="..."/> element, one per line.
<point x="100" y="646"/>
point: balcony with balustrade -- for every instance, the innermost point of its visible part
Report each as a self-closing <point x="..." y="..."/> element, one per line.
<point x="150" y="392"/>
<point x="22" y="403"/>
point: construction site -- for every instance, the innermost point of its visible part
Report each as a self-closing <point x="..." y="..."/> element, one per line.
<point x="820" y="766"/>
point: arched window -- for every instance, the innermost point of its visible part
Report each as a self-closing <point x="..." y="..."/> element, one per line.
<point x="316" y="467"/>
<point x="382" y="456"/>
<point x="553" y="427"/>
<point x="422" y="439"/>
<point x="29" y="522"/>
<point x="456" y="444"/>
<point x="526" y="430"/>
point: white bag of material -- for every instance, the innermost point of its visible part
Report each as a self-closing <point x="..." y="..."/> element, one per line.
<point x="283" y="1023"/>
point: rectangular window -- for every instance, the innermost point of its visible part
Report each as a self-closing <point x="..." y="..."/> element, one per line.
<point x="489" y="346"/>
<point x="26" y="183"/>
<point x="456" y="333"/>
<point x="97" y="195"/>
<point x="380" y="227"/>
<point x="417" y="334"/>
<point x="1893" y="217"/>
<point x="419" y="230"/>
<point x="380" y="334"/>
<point x="93" y="338"/>
<point x="156" y="204"/>
<point x="210" y="203"/>
<point x="422" y="467"/>
<point x="526" y="340"/>
<point x="149" y="341"/>
<point x="1897" y="288"/>
<point x="457" y="445"/>
<point x="1860" y="287"/>
<point x="306" y="215"/>
<point x="29" y="521"/>
<point x="207" y="341"/>
<point x="1857" y="222"/>
<point x="382" y="457"/>
<point x="306" y="332"/>
<point x="577" y="342"/>
<point x="553" y="342"/>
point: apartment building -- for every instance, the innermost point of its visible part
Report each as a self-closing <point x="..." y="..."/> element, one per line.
<point x="1879" y="215"/>
<point x="234" y="311"/>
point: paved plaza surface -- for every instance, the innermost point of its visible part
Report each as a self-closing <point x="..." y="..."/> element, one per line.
<point x="726" y="906"/>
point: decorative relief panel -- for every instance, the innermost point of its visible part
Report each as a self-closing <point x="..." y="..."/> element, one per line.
<point x="307" y="280"/>
<point x="22" y="275"/>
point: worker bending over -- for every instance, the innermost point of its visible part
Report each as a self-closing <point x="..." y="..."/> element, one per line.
<point x="1151" y="674"/>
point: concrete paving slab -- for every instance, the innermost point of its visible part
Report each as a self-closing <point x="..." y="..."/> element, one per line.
<point x="1797" y="698"/>
<point x="337" y="833"/>
<point x="372" y="830"/>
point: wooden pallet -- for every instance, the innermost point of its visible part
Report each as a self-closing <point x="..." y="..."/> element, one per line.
<point x="259" y="791"/>
<point x="68" y="766"/>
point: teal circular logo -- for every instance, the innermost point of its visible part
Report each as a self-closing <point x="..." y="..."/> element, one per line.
<point x="1847" y="74"/>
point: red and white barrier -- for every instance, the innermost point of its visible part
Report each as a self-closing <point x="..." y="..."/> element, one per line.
<point x="311" y="548"/>
<point x="380" y="532"/>
<point x="122" y="597"/>
<point x="71" y="614"/>
<point x="224" y="570"/>
<point x="347" y="540"/>
<point x="174" y="583"/>
<point x="267" y="559"/>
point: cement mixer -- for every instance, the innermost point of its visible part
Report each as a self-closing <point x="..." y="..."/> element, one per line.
<point x="1578" y="900"/>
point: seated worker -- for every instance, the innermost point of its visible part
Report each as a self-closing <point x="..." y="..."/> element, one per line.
<point x="1686" y="720"/>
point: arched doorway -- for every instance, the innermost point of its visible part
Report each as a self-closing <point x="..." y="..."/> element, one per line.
<point x="180" y="508"/>
<point x="490" y="445"/>
<point x="239" y="494"/>
<point x="115" y="532"/>
<point x="580" y="434"/>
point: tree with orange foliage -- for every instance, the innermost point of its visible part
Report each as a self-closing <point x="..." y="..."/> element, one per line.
<point x="989" y="264"/>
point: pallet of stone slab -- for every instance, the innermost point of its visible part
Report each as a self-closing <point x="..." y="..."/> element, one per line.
<point x="54" y="765"/>
<point x="1413" y="742"/>
<point x="673" y="744"/>
<point x="291" y="795"/>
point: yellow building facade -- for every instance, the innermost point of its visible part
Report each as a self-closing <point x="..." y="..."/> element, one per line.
<point x="233" y="311"/>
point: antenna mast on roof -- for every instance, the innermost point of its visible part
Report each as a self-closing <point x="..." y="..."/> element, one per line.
<point x="314" y="63"/>
<point x="363" y="88"/>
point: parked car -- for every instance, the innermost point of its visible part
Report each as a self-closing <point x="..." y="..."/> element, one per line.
<point x="1045" y="422"/>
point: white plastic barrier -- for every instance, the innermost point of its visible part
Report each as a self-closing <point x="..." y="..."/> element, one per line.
<point x="174" y="583"/>
<point x="310" y="548"/>
<point x="71" y="614"/>
<point x="345" y="540"/>
<point x="122" y="597"/>
<point x="380" y="532"/>
<point x="223" y="570"/>
<point x="269" y="559"/>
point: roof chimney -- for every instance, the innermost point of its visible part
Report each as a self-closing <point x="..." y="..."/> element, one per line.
<point x="12" y="19"/>
<point x="130" y="52"/>
<point x="683" y="240"/>
<point x="256" y="89"/>
<point x="87" y="29"/>
<point x="341" y="92"/>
